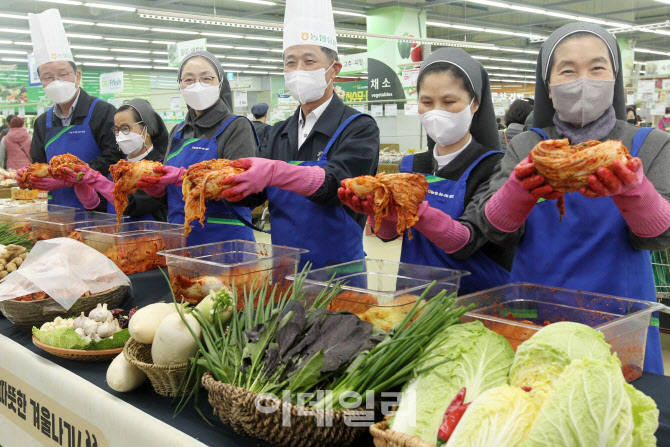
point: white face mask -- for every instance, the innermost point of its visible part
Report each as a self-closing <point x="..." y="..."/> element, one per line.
<point x="60" y="92"/>
<point x="307" y="85"/>
<point x="200" y="97"/>
<point x="131" y="143"/>
<point x="447" y="128"/>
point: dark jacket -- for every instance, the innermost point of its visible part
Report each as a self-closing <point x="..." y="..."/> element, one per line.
<point x="237" y="141"/>
<point x="506" y="135"/>
<point x="355" y="153"/>
<point x="262" y="130"/>
<point x="476" y="184"/>
<point x="101" y="124"/>
<point x="141" y="203"/>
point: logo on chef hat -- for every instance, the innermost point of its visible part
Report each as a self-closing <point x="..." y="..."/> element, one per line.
<point x="54" y="56"/>
<point x="305" y="36"/>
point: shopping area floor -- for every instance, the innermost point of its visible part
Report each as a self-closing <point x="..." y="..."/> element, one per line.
<point x="375" y="248"/>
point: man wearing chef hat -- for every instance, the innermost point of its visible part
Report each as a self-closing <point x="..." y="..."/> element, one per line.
<point x="78" y="123"/>
<point x="324" y="141"/>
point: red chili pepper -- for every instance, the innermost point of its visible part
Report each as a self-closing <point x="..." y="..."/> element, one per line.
<point x="453" y="415"/>
<point x="526" y="389"/>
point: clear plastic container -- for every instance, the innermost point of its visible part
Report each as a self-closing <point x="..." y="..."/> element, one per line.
<point x="134" y="246"/>
<point x="62" y="224"/>
<point x="194" y="271"/>
<point x="381" y="292"/>
<point x="21" y="214"/>
<point x="519" y="310"/>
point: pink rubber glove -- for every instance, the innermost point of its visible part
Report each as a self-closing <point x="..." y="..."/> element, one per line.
<point x="157" y="186"/>
<point x="448" y="234"/>
<point x="80" y="174"/>
<point x="511" y="205"/>
<point x="87" y="195"/>
<point x="19" y="175"/>
<point x="388" y="228"/>
<point x="49" y="184"/>
<point x="646" y="212"/>
<point x="261" y="173"/>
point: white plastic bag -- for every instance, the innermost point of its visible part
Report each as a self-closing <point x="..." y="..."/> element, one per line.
<point x="65" y="270"/>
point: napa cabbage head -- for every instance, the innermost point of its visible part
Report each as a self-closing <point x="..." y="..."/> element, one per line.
<point x="500" y="417"/>
<point x="480" y="360"/>
<point x="589" y="407"/>
<point x="645" y="417"/>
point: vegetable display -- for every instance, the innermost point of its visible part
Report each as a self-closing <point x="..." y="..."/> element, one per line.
<point x="10" y="236"/>
<point x="123" y="376"/>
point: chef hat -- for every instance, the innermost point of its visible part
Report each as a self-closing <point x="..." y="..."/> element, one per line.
<point x="309" y="22"/>
<point x="49" y="40"/>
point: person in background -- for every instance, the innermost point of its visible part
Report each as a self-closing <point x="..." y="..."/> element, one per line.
<point x="15" y="146"/>
<point x="499" y="122"/>
<point x="664" y="122"/>
<point x="5" y="127"/>
<point x="631" y="116"/>
<point x="78" y="123"/>
<point x="141" y="135"/>
<point x="603" y="242"/>
<point x="529" y="122"/>
<point x="515" y="120"/>
<point x="210" y="130"/>
<point x="323" y="143"/>
<point x="260" y="113"/>
<point x="456" y="110"/>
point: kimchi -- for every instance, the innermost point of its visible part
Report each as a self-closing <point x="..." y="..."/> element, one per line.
<point x="125" y="175"/>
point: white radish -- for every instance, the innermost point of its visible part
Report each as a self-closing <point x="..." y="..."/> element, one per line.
<point x="143" y="325"/>
<point x="173" y="343"/>
<point x="123" y="376"/>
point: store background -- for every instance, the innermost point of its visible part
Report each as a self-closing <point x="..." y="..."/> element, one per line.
<point x="123" y="51"/>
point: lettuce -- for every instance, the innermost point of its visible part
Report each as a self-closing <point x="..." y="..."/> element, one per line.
<point x="645" y="417"/>
<point x="501" y="417"/>
<point x="589" y="407"/>
<point x="576" y="340"/>
<point x="480" y="360"/>
<point x="67" y="338"/>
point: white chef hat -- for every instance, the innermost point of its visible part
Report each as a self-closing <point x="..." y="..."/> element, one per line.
<point x="49" y="40"/>
<point x="309" y="22"/>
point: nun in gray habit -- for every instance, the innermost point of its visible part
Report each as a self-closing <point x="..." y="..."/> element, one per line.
<point x="466" y="153"/>
<point x="602" y="244"/>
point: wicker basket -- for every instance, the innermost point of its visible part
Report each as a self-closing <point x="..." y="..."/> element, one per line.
<point x="26" y="314"/>
<point x="237" y="407"/>
<point x="165" y="379"/>
<point x="79" y="355"/>
<point x="383" y="437"/>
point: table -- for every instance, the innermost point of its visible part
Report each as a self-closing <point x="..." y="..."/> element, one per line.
<point x="143" y="418"/>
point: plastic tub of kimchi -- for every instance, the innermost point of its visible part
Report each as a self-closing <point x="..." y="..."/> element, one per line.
<point x="21" y="214"/>
<point x="381" y="292"/>
<point x="62" y="224"/>
<point x="134" y="246"/>
<point x="517" y="311"/>
<point x="242" y="265"/>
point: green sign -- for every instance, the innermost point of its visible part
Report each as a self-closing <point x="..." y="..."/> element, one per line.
<point x="354" y="91"/>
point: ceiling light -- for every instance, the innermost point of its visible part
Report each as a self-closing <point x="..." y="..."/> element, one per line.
<point x="92" y="56"/>
<point x="274" y="51"/>
<point x="14" y="16"/>
<point x="122" y="26"/>
<point x="27" y="44"/>
<point x="165" y="68"/>
<point x="172" y="31"/>
<point x="128" y="50"/>
<point x="114" y="7"/>
<point x="234" y="65"/>
<point x="264" y="67"/>
<point x="9" y="42"/>
<point x="118" y="39"/>
<point x="84" y="47"/>
<point x="228" y="47"/>
<point x="347" y="13"/>
<point x="265" y="59"/>
<point x="131" y="59"/>
<point x="135" y="66"/>
<point x="487" y="30"/>
<point x="77" y="22"/>
<point x="84" y="36"/>
<point x="62" y="2"/>
<point x="100" y="64"/>
<point x="270" y="39"/>
<point x="259" y="2"/>
<point x="163" y="42"/>
<point x="13" y="59"/>
<point x="159" y="52"/>
<point x="242" y="58"/>
<point x="255" y="72"/>
<point x="231" y="36"/>
<point x="15" y="31"/>
<point x="252" y="49"/>
<point x="3" y="51"/>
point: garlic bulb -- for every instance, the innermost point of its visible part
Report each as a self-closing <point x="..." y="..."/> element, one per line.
<point x="108" y="328"/>
<point x="91" y="326"/>
<point x="80" y="332"/>
<point x="100" y="314"/>
<point x="79" y="321"/>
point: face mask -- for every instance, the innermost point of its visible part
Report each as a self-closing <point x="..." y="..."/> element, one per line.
<point x="582" y="101"/>
<point x="307" y="85"/>
<point x="447" y="128"/>
<point x="200" y="97"/>
<point x="60" y="92"/>
<point x="130" y="143"/>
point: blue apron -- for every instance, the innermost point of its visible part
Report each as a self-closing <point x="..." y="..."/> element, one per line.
<point x="220" y="222"/>
<point x="555" y="254"/>
<point x="330" y="234"/>
<point x="112" y="210"/>
<point x="77" y="140"/>
<point x="448" y="196"/>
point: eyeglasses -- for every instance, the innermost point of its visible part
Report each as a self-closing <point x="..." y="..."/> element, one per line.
<point x="60" y="77"/>
<point x="125" y="129"/>
<point x="205" y="81"/>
